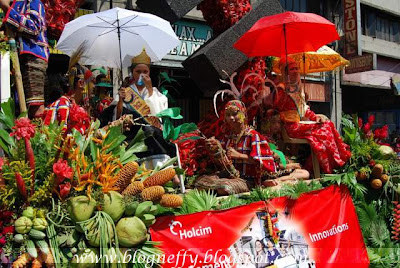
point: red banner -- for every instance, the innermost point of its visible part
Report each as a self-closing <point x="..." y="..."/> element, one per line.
<point x="319" y="229"/>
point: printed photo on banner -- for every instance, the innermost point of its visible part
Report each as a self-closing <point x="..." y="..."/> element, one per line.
<point x="269" y="242"/>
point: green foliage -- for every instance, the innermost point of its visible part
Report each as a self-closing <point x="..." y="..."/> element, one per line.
<point x="230" y="202"/>
<point x="149" y="250"/>
<point x="165" y="83"/>
<point x="348" y="179"/>
<point x="7" y="117"/>
<point x="197" y="201"/>
<point x="169" y="131"/>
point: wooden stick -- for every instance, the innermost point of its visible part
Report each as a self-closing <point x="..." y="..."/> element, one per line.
<point x="17" y="70"/>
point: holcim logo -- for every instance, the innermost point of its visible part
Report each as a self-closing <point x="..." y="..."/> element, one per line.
<point x="175" y="228"/>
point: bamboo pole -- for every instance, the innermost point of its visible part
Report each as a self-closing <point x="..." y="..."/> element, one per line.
<point x="17" y="70"/>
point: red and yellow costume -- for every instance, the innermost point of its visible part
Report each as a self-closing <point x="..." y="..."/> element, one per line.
<point x="324" y="139"/>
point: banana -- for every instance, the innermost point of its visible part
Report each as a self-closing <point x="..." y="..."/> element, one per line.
<point x="130" y="209"/>
<point x="148" y="219"/>
<point x="143" y="208"/>
<point x="153" y="210"/>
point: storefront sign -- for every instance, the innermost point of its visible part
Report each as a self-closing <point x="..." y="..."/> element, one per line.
<point x="192" y="36"/>
<point x="319" y="229"/>
<point x="360" y="64"/>
<point x="350" y="28"/>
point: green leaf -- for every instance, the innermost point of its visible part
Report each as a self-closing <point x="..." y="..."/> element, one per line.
<point x="179" y="171"/>
<point x="4" y="147"/>
<point x="184" y="128"/>
<point x="139" y="137"/>
<point x="173" y="113"/>
<point x="6" y="137"/>
<point x="168" y="130"/>
<point x="93" y="150"/>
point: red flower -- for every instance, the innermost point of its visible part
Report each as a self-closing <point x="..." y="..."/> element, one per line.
<point x="371" y="119"/>
<point x="2" y="241"/>
<point x="1" y="163"/>
<point x="62" y="170"/>
<point x="367" y="127"/>
<point x="360" y="122"/>
<point x="23" y="129"/>
<point x="372" y="163"/>
<point x="64" y="189"/>
<point x="79" y="118"/>
<point x="8" y="230"/>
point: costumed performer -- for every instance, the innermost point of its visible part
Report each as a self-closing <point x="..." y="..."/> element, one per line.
<point x="141" y="87"/>
<point x="27" y="19"/>
<point x="302" y="123"/>
<point x="102" y="95"/>
<point x="243" y="153"/>
<point x="66" y="109"/>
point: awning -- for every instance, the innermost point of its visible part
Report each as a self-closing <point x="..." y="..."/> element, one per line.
<point x="374" y="78"/>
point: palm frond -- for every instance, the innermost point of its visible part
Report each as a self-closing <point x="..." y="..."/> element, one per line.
<point x="230" y="202"/>
<point x="379" y="233"/>
<point x="197" y="201"/>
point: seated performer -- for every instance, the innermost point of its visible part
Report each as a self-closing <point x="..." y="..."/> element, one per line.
<point x="302" y="123"/>
<point x="244" y="155"/>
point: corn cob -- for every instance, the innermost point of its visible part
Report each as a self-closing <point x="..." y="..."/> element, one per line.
<point x="153" y="193"/>
<point x="160" y="178"/>
<point x="134" y="188"/>
<point x="125" y="175"/>
<point x="171" y="201"/>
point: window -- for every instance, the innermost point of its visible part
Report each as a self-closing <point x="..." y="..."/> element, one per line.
<point x="380" y="25"/>
<point x="294" y="5"/>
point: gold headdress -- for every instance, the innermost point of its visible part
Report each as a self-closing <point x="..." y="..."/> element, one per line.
<point x="142" y="58"/>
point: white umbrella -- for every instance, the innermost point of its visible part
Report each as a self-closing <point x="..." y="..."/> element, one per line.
<point x="114" y="36"/>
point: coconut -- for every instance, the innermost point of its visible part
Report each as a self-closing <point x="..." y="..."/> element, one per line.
<point x="131" y="231"/>
<point x="386" y="151"/>
<point x="81" y="208"/>
<point x="114" y="205"/>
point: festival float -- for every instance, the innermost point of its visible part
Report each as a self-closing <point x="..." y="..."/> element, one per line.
<point x="88" y="199"/>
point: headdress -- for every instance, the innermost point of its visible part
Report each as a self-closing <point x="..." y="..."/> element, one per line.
<point x="142" y="58"/>
<point x="103" y="80"/>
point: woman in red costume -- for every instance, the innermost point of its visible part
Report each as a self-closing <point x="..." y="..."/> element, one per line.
<point x="300" y="122"/>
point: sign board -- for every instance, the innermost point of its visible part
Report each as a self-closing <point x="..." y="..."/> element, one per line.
<point x="192" y="36"/>
<point x="350" y="28"/>
<point x="360" y="64"/>
<point x="319" y="229"/>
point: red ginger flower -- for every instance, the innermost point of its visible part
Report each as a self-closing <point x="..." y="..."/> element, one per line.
<point x="1" y="163"/>
<point x="62" y="170"/>
<point x="360" y="122"/>
<point x="23" y="128"/>
<point x="2" y="241"/>
<point x="64" y="189"/>
<point x="371" y="119"/>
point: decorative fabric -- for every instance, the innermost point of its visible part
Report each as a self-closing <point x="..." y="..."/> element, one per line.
<point x="33" y="71"/>
<point x="58" y="111"/>
<point x="67" y="111"/>
<point x="155" y="103"/>
<point x="27" y="19"/>
<point x="256" y="146"/>
<point x="324" y="139"/>
<point x="214" y="182"/>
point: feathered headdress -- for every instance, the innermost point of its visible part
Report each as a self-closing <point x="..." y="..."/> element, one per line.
<point x="258" y="95"/>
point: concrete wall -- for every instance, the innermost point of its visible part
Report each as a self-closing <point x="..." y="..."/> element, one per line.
<point x="391" y="6"/>
<point x="380" y="47"/>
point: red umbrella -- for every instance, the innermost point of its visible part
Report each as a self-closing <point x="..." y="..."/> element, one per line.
<point x="287" y="33"/>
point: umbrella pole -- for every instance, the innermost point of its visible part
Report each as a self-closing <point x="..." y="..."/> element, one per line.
<point x="119" y="45"/>
<point x="286" y="54"/>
